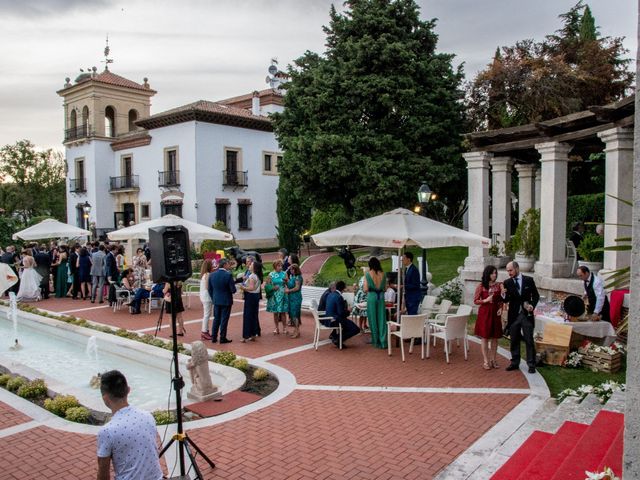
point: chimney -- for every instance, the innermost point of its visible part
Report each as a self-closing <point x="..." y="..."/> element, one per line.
<point x="255" y="103"/>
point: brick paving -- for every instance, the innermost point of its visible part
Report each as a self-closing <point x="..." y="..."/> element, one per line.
<point x="312" y="433"/>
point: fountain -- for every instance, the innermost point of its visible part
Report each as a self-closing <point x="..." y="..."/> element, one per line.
<point x="92" y="353"/>
<point x="12" y="314"/>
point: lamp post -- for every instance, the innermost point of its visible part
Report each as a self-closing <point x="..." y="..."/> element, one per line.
<point x="86" y="208"/>
<point x="425" y="195"/>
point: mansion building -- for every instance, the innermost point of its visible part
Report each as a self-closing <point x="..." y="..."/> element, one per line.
<point x="205" y="161"/>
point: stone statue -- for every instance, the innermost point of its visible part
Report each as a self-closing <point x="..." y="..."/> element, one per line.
<point x="202" y="389"/>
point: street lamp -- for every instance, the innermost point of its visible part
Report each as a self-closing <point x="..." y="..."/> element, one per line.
<point x="86" y="208"/>
<point x="425" y="195"/>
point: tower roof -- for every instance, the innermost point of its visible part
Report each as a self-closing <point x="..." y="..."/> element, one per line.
<point x="109" y="78"/>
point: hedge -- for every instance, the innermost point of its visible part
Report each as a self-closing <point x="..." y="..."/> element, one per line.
<point x="585" y="208"/>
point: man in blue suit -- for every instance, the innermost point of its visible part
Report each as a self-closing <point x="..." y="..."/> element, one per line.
<point x="337" y="309"/>
<point x="412" y="292"/>
<point x="221" y="290"/>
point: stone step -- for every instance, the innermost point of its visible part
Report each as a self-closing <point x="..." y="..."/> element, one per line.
<point x="616" y="402"/>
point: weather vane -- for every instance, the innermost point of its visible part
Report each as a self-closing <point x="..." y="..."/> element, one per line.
<point x="107" y="60"/>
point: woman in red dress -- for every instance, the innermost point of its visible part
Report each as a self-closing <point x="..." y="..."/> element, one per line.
<point x="489" y="321"/>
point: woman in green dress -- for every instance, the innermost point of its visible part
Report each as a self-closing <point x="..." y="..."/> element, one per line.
<point x="374" y="286"/>
<point x="62" y="274"/>
<point x="277" y="303"/>
<point x="294" y="294"/>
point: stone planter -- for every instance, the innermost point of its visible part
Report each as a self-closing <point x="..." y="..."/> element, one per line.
<point x="499" y="262"/>
<point x="526" y="263"/>
<point x="594" y="267"/>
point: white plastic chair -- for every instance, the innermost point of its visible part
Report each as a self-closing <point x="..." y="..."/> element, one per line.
<point x="441" y="317"/>
<point x="454" y="328"/>
<point x="349" y="298"/>
<point x="410" y="326"/>
<point x="319" y="326"/>
<point x="122" y="296"/>
<point x="442" y="307"/>
<point x="428" y="304"/>
<point x="572" y="258"/>
<point x="189" y="287"/>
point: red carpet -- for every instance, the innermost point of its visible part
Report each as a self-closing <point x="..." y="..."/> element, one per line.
<point x="545" y="464"/>
<point x="521" y="458"/>
<point x="613" y="458"/>
<point x="228" y="402"/>
<point x="592" y="446"/>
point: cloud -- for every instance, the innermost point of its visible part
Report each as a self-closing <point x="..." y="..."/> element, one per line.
<point x="38" y="8"/>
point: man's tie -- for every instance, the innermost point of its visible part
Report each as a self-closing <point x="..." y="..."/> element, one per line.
<point x="517" y="285"/>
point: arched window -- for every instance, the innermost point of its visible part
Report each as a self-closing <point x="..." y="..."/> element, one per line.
<point x="133" y="116"/>
<point x="73" y="122"/>
<point x="110" y="121"/>
<point x="85" y="116"/>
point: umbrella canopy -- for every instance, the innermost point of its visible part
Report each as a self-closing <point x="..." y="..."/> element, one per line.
<point x="197" y="232"/>
<point x="50" y="228"/>
<point x="400" y="228"/>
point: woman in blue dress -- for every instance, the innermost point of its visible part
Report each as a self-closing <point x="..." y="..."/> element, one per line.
<point x="84" y="272"/>
<point x="294" y="294"/>
<point x="277" y="303"/>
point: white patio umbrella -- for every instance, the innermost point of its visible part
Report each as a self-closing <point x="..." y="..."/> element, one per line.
<point x="197" y="232"/>
<point x="50" y="228"/>
<point x="399" y="228"/>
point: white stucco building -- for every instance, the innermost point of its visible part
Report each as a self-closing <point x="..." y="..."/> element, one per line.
<point x="205" y="161"/>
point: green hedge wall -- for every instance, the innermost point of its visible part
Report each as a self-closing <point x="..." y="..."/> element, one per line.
<point x="585" y="208"/>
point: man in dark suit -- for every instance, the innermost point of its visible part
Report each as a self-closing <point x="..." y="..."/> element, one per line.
<point x="221" y="290"/>
<point x="521" y="294"/>
<point x="412" y="293"/>
<point x="337" y="309"/>
<point x="43" y="267"/>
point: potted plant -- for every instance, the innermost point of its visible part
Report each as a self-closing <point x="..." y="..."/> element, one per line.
<point x="498" y="257"/>
<point x="591" y="251"/>
<point x="526" y="241"/>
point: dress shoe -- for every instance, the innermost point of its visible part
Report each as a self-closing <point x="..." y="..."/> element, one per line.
<point x="214" y="340"/>
<point x="205" y="336"/>
<point x="225" y="340"/>
<point x="532" y="369"/>
<point x="511" y="367"/>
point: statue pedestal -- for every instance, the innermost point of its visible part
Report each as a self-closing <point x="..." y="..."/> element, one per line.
<point x="203" y="397"/>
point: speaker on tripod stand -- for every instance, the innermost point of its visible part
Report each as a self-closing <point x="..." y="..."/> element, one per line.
<point x="172" y="263"/>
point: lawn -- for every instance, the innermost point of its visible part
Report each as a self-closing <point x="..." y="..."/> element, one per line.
<point x="443" y="265"/>
<point x="559" y="378"/>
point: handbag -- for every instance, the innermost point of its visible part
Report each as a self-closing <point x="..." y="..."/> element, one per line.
<point x="269" y="290"/>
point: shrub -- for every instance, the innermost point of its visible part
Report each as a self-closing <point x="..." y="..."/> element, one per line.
<point x="4" y="378"/>
<point x="163" y="417"/>
<point x="526" y="240"/>
<point x="15" y="383"/>
<point x="33" y="389"/>
<point x="241" y="364"/>
<point x="589" y="243"/>
<point x="224" y="358"/>
<point x="78" y="414"/>
<point x="214" y="245"/>
<point x="452" y="290"/>
<point x="260" y="374"/>
<point x="585" y="208"/>
<point x="60" y="404"/>
<point x="323" y="220"/>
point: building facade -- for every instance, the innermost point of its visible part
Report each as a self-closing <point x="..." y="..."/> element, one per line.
<point x="205" y="161"/>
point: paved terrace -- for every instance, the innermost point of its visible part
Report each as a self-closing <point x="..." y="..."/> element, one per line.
<point x="355" y="413"/>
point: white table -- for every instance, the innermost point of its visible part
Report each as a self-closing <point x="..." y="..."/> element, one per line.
<point x="588" y="329"/>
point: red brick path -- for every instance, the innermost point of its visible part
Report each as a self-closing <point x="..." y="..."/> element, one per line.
<point x="10" y="417"/>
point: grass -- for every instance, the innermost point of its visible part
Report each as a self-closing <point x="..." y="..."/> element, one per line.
<point x="559" y="378"/>
<point x="443" y="265"/>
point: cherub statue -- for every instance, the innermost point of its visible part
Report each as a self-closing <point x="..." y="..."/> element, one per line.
<point x="202" y="389"/>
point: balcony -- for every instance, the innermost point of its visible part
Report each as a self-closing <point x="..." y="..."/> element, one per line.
<point x="169" y="178"/>
<point x="128" y="182"/>
<point x="77" y="185"/>
<point x="76" y="133"/>
<point x="234" y="178"/>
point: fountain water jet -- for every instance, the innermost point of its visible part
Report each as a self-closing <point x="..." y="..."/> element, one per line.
<point x="13" y="316"/>
<point x="92" y="353"/>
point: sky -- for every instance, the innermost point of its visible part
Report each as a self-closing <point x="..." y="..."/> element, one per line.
<point x="215" y="49"/>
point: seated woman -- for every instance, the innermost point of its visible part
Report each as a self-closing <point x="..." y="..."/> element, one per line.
<point x="143" y="293"/>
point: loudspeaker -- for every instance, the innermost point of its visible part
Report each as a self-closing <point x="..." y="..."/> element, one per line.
<point x="170" y="249"/>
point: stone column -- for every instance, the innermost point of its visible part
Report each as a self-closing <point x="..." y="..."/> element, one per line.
<point x="478" y="178"/>
<point x="618" y="182"/>
<point x="501" y="168"/>
<point x="526" y="187"/>
<point x="553" y="209"/>
<point x="538" y="188"/>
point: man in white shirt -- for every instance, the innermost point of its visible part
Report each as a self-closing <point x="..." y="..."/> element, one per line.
<point x="594" y="291"/>
<point x="129" y="439"/>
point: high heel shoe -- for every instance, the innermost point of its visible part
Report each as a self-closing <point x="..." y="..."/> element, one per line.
<point x="486" y="366"/>
<point x="276" y="332"/>
<point x="494" y="364"/>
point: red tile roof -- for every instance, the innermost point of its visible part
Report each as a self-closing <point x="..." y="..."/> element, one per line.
<point x="269" y="92"/>
<point x="111" y="78"/>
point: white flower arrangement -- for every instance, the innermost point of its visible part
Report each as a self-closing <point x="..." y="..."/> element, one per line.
<point x="574" y="360"/>
<point x="615" y="347"/>
<point x="602" y="391"/>
<point x="607" y="474"/>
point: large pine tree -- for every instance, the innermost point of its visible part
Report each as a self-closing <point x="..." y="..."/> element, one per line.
<point x="367" y="121"/>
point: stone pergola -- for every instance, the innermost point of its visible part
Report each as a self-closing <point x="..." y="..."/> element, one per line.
<point x="540" y="153"/>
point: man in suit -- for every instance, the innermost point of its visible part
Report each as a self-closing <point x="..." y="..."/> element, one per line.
<point x="520" y="292"/>
<point x="221" y="290"/>
<point x="43" y="267"/>
<point x="412" y="292"/>
<point x="97" y="274"/>
<point x="596" y="295"/>
<point x="337" y="309"/>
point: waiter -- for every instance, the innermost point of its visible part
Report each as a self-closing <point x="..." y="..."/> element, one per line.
<point x="594" y="290"/>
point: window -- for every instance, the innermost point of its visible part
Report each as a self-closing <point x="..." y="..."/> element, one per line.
<point x="145" y="210"/>
<point x="126" y="166"/>
<point x="271" y="163"/>
<point x="85" y="116"/>
<point x="80" y="168"/>
<point x="171" y="160"/>
<point x="267" y="162"/>
<point x="133" y="116"/>
<point x="244" y="214"/>
<point x="172" y="209"/>
<point x="73" y="119"/>
<point x="109" y="122"/>
<point x="221" y="212"/>
<point x="278" y="162"/>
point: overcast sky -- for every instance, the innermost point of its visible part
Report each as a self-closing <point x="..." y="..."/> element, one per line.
<point x="212" y="49"/>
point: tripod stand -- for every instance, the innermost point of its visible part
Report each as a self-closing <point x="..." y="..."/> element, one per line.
<point x="184" y="442"/>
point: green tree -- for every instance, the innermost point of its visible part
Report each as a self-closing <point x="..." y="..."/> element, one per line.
<point x="367" y="121"/>
<point x="33" y="181"/>
<point x="570" y="70"/>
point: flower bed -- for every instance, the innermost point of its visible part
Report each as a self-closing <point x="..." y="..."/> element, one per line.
<point x="602" y="359"/>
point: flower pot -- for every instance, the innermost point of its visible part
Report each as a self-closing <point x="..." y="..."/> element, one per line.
<point x="526" y="263"/>
<point x="594" y="267"/>
<point x="499" y="262"/>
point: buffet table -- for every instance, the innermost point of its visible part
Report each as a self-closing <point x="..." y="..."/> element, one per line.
<point x="600" y="329"/>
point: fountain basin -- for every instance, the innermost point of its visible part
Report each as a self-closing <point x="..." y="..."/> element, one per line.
<point x="56" y="351"/>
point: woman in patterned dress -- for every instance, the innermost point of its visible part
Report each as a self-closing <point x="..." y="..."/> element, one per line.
<point x="277" y="303"/>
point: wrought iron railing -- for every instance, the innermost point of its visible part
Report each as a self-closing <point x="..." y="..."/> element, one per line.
<point x="235" y="178"/>
<point x="76" y="133"/>
<point x="124" y="183"/>
<point x="169" y="178"/>
<point x="78" y="185"/>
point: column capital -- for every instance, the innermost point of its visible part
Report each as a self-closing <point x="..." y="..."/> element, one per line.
<point x="618" y="138"/>
<point x="526" y="170"/>
<point x="553" y="151"/>
<point x="477" y="159"/>
<point x="501" y="164"/>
